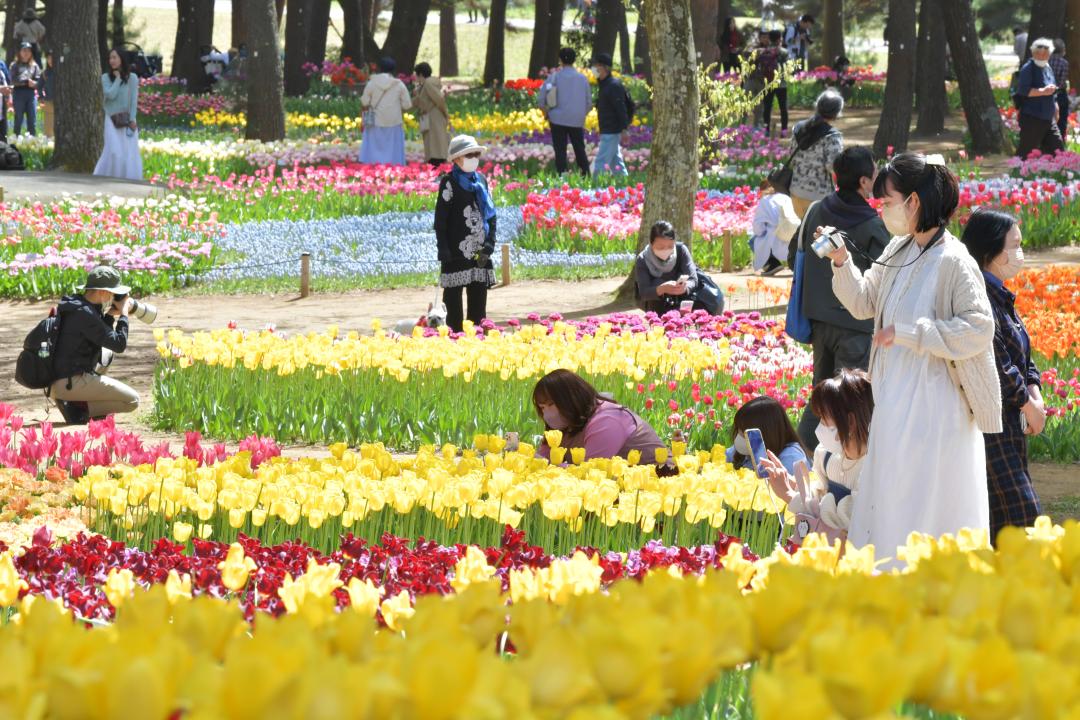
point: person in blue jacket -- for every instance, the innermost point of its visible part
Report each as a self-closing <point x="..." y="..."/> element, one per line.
<point x="1035" y="93"/>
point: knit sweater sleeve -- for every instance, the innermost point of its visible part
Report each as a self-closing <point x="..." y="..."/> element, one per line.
<point x="859" y="291"/>
<point x="970" y="331"/>
<point x="133" y="93"/>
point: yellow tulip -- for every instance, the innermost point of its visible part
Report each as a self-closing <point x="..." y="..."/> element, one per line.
<point x="177" y="588"/>
<point x="363" y="596"/>
<point x="119" y="586"/>
<point x="397" y="609"/>
<point x="235" y="568"/>
<point x="10" y="582"/>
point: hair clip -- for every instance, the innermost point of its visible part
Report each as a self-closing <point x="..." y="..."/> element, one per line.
<point x="935" y="159"/>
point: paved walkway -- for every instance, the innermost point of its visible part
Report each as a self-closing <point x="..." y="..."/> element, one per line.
<point x="30" y="185"/>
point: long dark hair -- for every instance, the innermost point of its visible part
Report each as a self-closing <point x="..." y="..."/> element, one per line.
<point x="125" y="66"/>
<point x="936" y="186"/>
<point x="767" y="415"/>
<point x="984" y="234"/>
<point x="846" y="402"/>
<point x="575" y="398"/>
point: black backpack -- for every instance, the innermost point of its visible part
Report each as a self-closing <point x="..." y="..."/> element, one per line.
<point x="34" y="367"/>
<point x="10" y="158"/>
<point x="631" y="107"/>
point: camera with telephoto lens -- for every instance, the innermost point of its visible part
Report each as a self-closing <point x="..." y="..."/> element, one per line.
<point x="828" y="241"/>
<point x="141" y="310"/>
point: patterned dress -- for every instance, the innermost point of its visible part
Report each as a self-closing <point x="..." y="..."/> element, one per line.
<point x="1012" y="498"/>
<point x="459" y="230"/>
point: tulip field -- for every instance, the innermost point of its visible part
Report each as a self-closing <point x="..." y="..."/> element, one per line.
<point x="336" y="523"/>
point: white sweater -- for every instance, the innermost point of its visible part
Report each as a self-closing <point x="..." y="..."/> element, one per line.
<point x="963" y="334"/>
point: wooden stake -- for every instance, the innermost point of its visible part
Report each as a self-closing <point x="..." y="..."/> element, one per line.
<point x="727" y="254"/>
<point x="505" y="265"/>
<point x="305" y="274"/>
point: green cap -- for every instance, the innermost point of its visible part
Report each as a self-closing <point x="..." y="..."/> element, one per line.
<point x="105" y="277"/>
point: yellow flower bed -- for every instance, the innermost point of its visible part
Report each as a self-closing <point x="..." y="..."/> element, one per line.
<point x="530" y="352"/>
<point x="969" y="630"/>
<point x="431" y="494"/>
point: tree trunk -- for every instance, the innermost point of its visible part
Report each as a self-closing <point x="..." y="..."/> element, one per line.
<point x="194" y="31"/>
<point x="495" y="62"/>
<point x="607" y="26"/>
<point x="1072" y="41"/>
<point x="642" y="63"/>
<point x="448" y="55"/>
<point x="539" y="38"/>
<point x="279" y="9"/>
<point x="980" y="110"/>
<point x="318" y="29"/>
<point x="297" y="20"/>
<point x="832" y="42"/>
<point x="11" y="16"/>
<point x="103" y="33"/>
<point x="265" y="92"/>
<point x="705" y="16"/>
<point x="895" y="124"/>
<point x="358" y="38"/>
<point x="79" y="113"/>
<point x="553" y="43"/>
<point x="626" y="57"/>
<point x="238" y="33"/>
<point x="406" y="30"/>
<point x="117" y="23"/>
<point x="1047" y="19"/>
<point x="930" y="96"/>
<point x="671" y="181"/>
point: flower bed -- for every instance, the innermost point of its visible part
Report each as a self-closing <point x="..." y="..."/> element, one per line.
<point x="968" y="630"/>
<point x="158" y="244"/>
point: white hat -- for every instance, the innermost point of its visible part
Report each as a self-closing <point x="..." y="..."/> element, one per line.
<point x="463" y="145"/>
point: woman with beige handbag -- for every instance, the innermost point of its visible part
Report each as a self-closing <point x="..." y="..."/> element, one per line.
<point x="384" y="100"/>
<point x="433" y="114"/>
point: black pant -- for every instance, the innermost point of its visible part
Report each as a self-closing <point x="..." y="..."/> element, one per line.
<point x="576" y="135"/>
<point x="1036" y="133"/>
<point x="835" y="348"/>
<point x="780" y="94"/>
<point x="1063" y="114"/>
<point x="477" y="295"/>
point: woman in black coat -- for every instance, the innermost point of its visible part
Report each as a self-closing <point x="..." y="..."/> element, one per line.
<point x="666" y="276"/>
<point x="465" y="232"/>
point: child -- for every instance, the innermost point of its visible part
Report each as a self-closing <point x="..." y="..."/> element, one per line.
<point x="767" y="415"/>
<point x="774" y="223"/>
<point x="845" y="405"/>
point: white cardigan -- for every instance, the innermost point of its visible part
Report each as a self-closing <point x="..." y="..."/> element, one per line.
<point x="963" y="334"/>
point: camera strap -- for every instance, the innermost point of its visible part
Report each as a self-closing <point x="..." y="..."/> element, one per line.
<point x="933" y="241"/>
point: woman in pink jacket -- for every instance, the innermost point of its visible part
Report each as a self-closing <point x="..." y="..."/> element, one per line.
<point x="589" y="420"/>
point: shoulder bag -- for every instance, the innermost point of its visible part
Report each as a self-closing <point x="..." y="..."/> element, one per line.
<point x="796" y="324"/>
<point x="369" y="114"/>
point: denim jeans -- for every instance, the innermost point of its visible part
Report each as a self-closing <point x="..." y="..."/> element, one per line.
<point x="609" y="156"/>
<point x="25" y="101"/>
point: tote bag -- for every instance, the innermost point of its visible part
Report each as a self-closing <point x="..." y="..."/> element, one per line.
<point x="797" y="325"/>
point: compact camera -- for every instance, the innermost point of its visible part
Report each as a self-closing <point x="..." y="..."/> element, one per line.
<point x="829" y="240"/>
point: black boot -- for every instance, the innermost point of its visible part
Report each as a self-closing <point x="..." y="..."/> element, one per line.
<point x="74" y="412"/>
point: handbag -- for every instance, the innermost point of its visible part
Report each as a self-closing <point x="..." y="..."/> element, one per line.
<point x="708" y="294"/>
<point x="551" y="99"/>
<point x="369" y="114"/>
<point x="796" y="324"/>
<point x="120" y="120"/>
<point x="780" y="178"/>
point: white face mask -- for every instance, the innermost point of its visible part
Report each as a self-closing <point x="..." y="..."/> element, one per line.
<point x="663" y="254"/>
<point x="1012" y="264"/>
<point x="1041" y="63"/>
<point x="741" y="445"/>
<point x="829" y="439"/>
<point x="470" y="164"/>
<point x="896" y="219"/>
<point x="554" y="418"/>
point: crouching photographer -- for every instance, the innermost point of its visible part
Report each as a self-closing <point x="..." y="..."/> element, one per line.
<point x="93" y="326"/>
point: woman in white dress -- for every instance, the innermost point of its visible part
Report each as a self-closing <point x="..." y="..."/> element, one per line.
<point x="935" y="383"/>
<point x="120" y="156"/>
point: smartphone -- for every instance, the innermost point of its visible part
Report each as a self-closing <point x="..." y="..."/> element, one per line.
<point x="757" y="449"/>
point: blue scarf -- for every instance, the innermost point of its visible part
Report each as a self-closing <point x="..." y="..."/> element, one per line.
<point x="472" y="182"/>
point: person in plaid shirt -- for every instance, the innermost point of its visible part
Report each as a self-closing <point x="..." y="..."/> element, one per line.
<point x="993" y="239"/>
<point x="1060" y="65"/>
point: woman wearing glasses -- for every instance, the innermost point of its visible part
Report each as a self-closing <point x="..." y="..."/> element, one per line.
<point x="465" y="232"/>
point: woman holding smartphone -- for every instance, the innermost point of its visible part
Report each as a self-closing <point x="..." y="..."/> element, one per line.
<point x="666" y="277"/>
<point x="768" y="417"/>
<point x="936" y="387"/>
